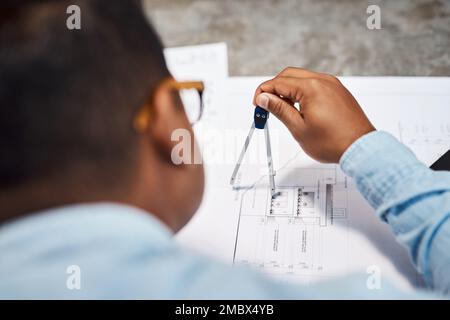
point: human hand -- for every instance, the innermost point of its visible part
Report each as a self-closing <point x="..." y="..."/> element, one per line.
<point x="329" y="119"/>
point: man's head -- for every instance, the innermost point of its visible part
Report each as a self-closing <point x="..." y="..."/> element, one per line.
<point x="67" y="103"/>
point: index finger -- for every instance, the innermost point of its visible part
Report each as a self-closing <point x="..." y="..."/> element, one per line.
<point x="286" y="87"/>
<point x="296" y="72"/>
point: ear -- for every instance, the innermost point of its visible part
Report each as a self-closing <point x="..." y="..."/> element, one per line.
<point x="168" y="116"/>
<point x="180" y="185"/>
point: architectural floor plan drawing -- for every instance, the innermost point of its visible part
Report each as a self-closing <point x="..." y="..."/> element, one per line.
<point x="319" y="227"/>
<point x="292" y="233"/>
<point x="295" y="233"/>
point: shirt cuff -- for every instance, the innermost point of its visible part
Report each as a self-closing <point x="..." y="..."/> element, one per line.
<point x="377" y="162"/>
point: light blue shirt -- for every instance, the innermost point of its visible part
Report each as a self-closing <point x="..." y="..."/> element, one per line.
<point x="108" y="250"/>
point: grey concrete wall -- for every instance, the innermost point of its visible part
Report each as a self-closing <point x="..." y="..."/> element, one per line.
<point x="263" y="36"/>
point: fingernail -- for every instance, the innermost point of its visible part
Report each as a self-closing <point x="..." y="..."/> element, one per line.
<point x="262" y="100"/>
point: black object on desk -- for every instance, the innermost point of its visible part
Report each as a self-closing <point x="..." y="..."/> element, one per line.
<point x="443" y="163"/>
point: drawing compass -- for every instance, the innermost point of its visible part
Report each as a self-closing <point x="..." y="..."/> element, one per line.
<point x="259" y="122"/>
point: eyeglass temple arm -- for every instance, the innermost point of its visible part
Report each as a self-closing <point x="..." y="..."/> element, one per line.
<point x="197" y="85"/>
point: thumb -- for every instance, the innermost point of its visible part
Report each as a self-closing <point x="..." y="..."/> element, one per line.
<point x="287" y="114"/>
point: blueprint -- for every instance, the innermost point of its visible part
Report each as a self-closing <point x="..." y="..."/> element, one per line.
<point x="294" y="233"/>
<point x="319" y="226"/>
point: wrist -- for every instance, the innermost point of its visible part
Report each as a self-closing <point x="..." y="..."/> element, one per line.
<point x="352" y="140"/>
<point x="355" y="146"/>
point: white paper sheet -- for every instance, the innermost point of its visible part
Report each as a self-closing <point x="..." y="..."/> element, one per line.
<point x="320" y="227"/>
<point x="208" y="63"/>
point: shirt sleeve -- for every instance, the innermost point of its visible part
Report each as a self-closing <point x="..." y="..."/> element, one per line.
<point x="413" y="199"/>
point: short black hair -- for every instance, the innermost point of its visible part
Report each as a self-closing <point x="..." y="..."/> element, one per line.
<point x="68" y="97"/>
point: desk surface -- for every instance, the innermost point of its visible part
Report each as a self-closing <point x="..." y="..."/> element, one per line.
<point x="263" y="36"/>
